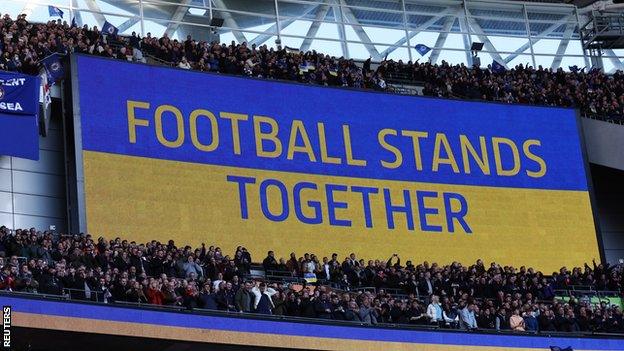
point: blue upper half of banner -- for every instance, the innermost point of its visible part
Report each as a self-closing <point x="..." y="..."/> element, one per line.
<point x="19" y="109"/>
<point x="19" y="93"/>
<point x="212" y="119"/>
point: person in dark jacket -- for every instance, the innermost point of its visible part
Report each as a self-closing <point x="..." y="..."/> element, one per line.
<point x="263" y="302"/>
<point x="546" y="321"/>
<point x="120" y="290"/>
<point x="207" y="299"/>
<point x="50" y="283"/>
<point x="530" y="322"/>
<point x="323" y="307"/>
<point x="225" y="297"/>
<point x="353" y="312"/>
<point x="270" y="263"/>
<point x="293" y="305"/>
<point x="244" y="298"/>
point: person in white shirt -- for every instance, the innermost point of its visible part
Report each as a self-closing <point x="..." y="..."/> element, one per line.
<point x="434" y="310"/>
<point x="216" y="282"/>
<point x="184" y="63"/>
<point x="263" y="303"/>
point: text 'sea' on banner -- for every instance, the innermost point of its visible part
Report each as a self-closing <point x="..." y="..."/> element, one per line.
<point x="288" y="167"/>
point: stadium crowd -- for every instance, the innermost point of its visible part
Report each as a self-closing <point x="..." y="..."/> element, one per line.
<point x="379" y="291"/>
<point x="350" y="289"/>
<point x="24" y="44"/>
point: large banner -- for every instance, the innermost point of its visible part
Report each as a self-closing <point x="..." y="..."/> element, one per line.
<point x="19" y="108"/>
<point x="232" y="161"/>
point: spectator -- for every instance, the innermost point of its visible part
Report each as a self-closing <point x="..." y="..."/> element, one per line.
<point x="467" y="317"/>
<point x="530" y="321"/>
<point x="191" y="267"/>
<point x="516" y="322"/>
<point x="244" y="298"/>
<point x="263" y="303"/>
<point x="207" y="298"/>
<point x="270" y="263"/>
<point x="367" y="314"/>
<point x="149" y="275"/>
<point x="353" y="312"/>
<point x="184" y="64"/>
<point x="323" y="307"/>
<point x="154" y="295"/>
<point x="434" y="311"/>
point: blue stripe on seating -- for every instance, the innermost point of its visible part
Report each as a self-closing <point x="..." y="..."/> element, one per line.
<point x="188" y="320"/>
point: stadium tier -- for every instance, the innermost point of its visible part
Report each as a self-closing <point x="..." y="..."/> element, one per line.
<point x="266" y="197"/>
<point x="590" y="90"/>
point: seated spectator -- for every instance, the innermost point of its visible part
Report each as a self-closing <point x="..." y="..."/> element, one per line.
<point x="546" y="320"/>
<point x="207" y="298"/>
<point x="467" y="317"/>
<point x="184" y="64"/>
<point x="530" y="322"/>
<point x="353" y="312"/>
<point x="154" y="294"/>
<point x="434" y="311"/>
<point x="516" y="322"/>
<point x="323" y="307"/>
<point x="368" y="314"/>
<point x="487" y="318"/>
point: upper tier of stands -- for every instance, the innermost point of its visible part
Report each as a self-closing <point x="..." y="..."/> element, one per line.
<point x="24" y="44"/>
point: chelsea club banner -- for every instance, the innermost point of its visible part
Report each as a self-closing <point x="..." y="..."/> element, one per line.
<point x="19" y="107"/>
<point x="231" y="161"/>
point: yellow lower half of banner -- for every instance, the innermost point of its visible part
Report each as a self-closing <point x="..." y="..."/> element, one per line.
<point x="145" y="199"/>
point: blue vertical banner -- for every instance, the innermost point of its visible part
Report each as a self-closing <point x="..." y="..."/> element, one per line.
<point x="19" y="109"/>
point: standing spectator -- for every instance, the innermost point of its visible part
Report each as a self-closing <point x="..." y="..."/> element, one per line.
<point x="263" y="303"/>
<point x="270" y="263"/>
<point x="191" y="267"/>
<point x="244" y="298"/>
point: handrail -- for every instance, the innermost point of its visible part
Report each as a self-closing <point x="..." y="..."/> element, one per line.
<point x="141" y="305"/>
<point x="81" y="294"/>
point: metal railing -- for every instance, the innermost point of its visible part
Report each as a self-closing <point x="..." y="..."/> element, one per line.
<point x="610" y="119"/>
<point x="601" y="24"/>
<point x="586" y="292"/>
<point x="84" y="295"/>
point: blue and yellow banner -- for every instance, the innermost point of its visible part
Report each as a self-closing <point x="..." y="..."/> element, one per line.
<point x="248" y="330"/>
<point x="288" y="167"/>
